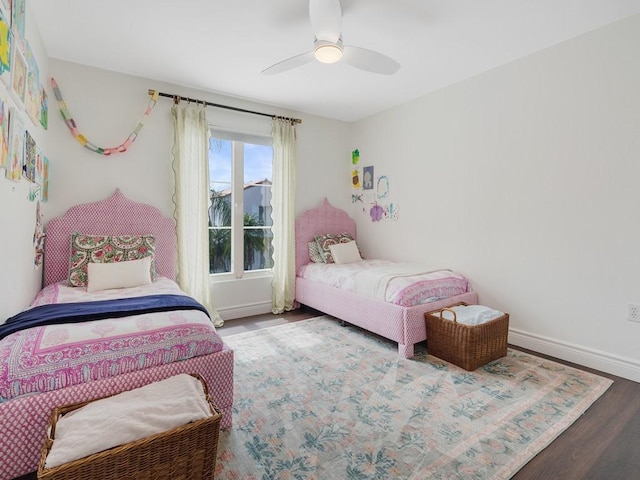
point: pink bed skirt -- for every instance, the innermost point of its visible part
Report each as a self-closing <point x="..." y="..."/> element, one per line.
<point x="405" y="325"/>
<point x="23" y="420"/>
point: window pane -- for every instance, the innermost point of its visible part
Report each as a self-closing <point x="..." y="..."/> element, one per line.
<point x="257" y="205"/>
<point x="220" y="161"/>
<point x="220" y="171"/>
<point x="219" y="250"/>
<point x="258" y="248"/>
<point x="258" y="252"/>
<point x="257" y="163"/>
<point x="219" y="209"/>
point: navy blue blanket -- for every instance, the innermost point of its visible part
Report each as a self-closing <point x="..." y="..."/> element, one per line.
<point x="58" y="313"/>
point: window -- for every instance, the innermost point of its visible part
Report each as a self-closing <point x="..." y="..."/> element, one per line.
<point x="240" y="175"/>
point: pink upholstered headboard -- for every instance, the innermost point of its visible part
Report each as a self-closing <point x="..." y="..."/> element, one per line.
<point x="117" y="215"/>
<point x="317" y="221"/>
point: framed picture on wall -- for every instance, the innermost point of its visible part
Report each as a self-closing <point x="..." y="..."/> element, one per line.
<point x="44" y="108"/>
<point x="5" y="50"/>
<point x="367" y="178"/>
<point x="30" y="157"/>
<point x="4" y="133"/>
<point x="45" y="179"/>
<point x="16" y="145"/>
<point x="18" y="14"/>
<point x="18" y="75"/>
<point x="32" y="88"/>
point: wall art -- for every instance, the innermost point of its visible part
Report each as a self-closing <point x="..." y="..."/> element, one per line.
<point x="4" y="134"/>
<point x="376" y="212"/>
<point x="32" y="86"/>
<point x="38" y="238"/>
<point x="382" y="187"/>
<point x="45" y="179"/>
<point x="391" y="211"/>
<point x="367" y="178"/>
<point x="30" y="157"/>
<point x="18" y="74"/>
<point x="73" y="127"/>
<point x="16" y="145"/>
<point x="18" y="14"/>
<point x="5" y="51"/>
<point x="355" y="178"/>
<point x="44" y="108"/>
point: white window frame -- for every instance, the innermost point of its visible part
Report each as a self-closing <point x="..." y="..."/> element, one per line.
<point x="238" y="140"/>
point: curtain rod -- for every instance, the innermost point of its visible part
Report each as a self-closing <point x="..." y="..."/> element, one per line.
<point x="177" y="98"/>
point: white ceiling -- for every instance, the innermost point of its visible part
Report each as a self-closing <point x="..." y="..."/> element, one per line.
<point x="223" y="45"/>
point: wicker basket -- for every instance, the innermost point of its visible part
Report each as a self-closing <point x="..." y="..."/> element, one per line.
<point x="183" y="453"/>
<point x="467" y="346"/>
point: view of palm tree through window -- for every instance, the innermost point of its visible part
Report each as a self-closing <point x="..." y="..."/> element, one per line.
<point x="239" y="240"/>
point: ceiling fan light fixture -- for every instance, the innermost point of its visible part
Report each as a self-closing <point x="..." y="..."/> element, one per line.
<point x="328" y="52"/>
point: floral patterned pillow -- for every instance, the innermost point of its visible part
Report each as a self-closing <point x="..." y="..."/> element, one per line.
<point x="87" y="249"/>
<point x="324" y="241"/>
<point x="314" y="253"/>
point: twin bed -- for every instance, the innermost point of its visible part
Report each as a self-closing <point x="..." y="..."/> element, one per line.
<point x="403" y="321"/>
<point x="50" y="365"/>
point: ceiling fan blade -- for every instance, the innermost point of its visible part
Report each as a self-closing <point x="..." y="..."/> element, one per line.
<point x="369" y="60"/>
<point x="326" y="19"/>
<point x="289" y="63"/>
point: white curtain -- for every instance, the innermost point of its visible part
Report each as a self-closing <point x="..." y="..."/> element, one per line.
<point x="283" y="207"/>
<point x="191" y="200"/>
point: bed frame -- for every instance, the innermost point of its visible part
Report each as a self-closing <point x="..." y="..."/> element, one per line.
<point x="23" y="420"/>
<point x="405" y="325"/>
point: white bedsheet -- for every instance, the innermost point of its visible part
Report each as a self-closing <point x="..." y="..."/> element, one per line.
<point x="373" y="282"/>
<point x="404" y="284"/>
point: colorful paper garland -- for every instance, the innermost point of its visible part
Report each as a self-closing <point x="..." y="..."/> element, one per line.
<point x="73" y="128"/>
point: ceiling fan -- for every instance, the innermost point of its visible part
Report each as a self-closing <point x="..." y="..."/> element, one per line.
<point x="326" y="22"/>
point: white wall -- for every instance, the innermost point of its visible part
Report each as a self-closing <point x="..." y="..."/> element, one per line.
<point x="107" y="106"/>
<point x="19" y="278"/>
<point x="525" y="179"/>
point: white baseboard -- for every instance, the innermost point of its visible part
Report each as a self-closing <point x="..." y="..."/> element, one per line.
<point x="240" y="311"/>
<point x="605" y="362"/>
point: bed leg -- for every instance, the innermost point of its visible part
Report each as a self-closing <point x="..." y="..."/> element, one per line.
<point x="405" y="351"/>
<point x="343" y="323"/>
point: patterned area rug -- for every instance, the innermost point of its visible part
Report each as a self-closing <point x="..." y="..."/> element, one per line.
<point x="314" y="400"/>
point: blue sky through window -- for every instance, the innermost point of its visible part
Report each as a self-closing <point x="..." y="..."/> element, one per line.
<point x="257" y="163"/>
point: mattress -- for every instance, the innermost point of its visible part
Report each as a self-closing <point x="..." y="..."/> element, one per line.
<point x="404" y="284"/>
<point x="50" y="357"/>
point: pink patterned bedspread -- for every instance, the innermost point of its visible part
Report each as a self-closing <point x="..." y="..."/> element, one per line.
<point x="50" y="357"/>
<point x="405" y="290"/>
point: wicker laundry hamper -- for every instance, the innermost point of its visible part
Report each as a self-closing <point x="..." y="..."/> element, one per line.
<point x="467" y="346"/>
<point x="187" y="452"/>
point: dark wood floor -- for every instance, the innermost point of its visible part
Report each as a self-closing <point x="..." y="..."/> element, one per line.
<point x="603" y="444"/>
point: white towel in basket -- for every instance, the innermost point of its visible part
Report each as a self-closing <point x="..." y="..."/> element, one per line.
<point x="127" y="417"/>
<point x="472" y="314"/>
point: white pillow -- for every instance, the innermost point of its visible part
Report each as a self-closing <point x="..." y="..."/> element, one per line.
<point x="345" y="252"/>
<point x="132" y="273"/>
